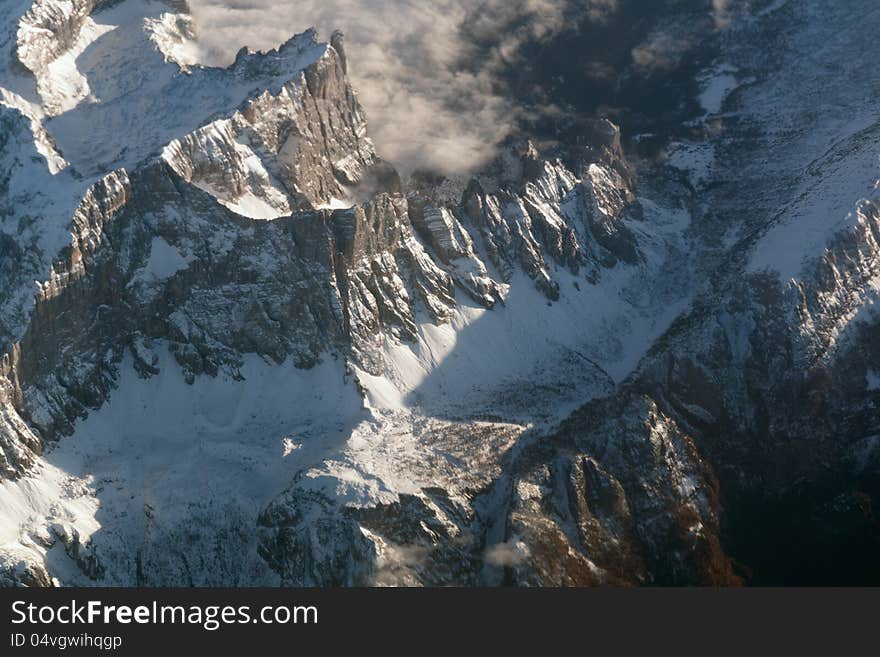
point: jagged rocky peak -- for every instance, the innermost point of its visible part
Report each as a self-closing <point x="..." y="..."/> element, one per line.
<point x="304" y="147"/>
<point x="111" y="68"/>
<point x="300" y="143"/>
<point x="532" y="211"/>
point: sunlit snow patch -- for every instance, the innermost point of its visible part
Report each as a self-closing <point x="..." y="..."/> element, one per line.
<point x="716" y="87"/>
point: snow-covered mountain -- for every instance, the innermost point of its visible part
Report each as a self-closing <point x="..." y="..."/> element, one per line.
<point x="239" y="349"/>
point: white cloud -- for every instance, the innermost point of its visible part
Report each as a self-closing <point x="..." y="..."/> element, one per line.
<point x="662" y="51"/>
<point x="423" y="71"/>
<point x="507" y="555"/>
<point x="721" y="11"/>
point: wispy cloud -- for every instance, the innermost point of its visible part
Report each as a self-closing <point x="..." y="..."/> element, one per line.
<point x="722" y="13"/>
<point x="507" y="555"/>
<point x="429" y="73"/>
<point x="425" y="72"/>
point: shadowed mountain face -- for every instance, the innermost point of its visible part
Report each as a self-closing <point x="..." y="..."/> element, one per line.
<point x="638" y="347"/>
<point x="631" y="61"/>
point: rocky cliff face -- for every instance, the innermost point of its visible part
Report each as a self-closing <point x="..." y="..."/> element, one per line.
<point x="254" y="355"/>
<point x="625" y="494"/>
